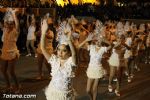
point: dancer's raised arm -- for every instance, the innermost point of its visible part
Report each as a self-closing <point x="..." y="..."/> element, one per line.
<point x="15" y="19"/>
<point x="44" y="27"/>
<point x="89" y="38"/>
<point x="73" y="52"/>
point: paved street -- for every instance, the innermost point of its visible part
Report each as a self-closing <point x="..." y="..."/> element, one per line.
<point x="26" y="71"/>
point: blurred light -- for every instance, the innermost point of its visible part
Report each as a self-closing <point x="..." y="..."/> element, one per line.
<point x="62" y="2"/>
<point x="90" y="1"/>
<point x="74" y="1"/>
<point x="121" y="4"/>
<point x="65" y="2"/>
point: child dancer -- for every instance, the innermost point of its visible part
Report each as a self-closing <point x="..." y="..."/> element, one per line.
<point x="31" y="35"/>
<point x="116" y="63"/>
<point x="10" y="53"/>
<point x="127" y="56"/>
<point x="62" y="64"/>
<point x="95" y="70"/>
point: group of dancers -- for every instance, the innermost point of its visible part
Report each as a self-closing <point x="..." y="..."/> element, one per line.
<point x="125" y="44"/>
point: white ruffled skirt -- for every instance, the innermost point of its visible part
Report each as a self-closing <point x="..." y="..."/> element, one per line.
<point x="53" y="94"/>
<point x="95" y="72"/>
<point x="127" y="54"/>
<point x="114" y="60"/>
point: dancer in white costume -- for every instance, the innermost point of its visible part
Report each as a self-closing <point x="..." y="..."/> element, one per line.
<point x="63" y="65"/>
<point x="128" y="55"/>
<point x="31" y="35"/>
<point x="95" y="70"/>
<point x="116" y="63"/>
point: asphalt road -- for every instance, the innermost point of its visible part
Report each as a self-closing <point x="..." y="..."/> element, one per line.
<point x="26" y="70"/>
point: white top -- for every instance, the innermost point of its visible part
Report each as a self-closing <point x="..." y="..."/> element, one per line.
<point x="128" y="41"/>
<point x="96" y="56"/>
<point x="114" y="54"/>
<point x="31" y="33"/>
<point x="114" y="59"/>
<point x="61" y="77"/>
<point x="127" y="27"/>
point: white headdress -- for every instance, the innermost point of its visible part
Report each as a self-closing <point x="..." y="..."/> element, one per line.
<point x="99" y="23"/>
<point x="120" y="29"/>
<point x="127" y="26"/>
<point x="99" y="29"/>
<point x="64" y="28"/>
<point x="64" y="42"/>
<point x="142" y="27"/>
<point x="8" y="16"/>
<point x="93" y="36"/>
